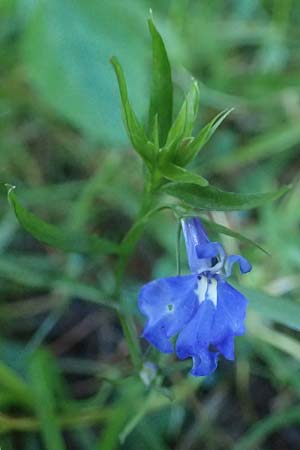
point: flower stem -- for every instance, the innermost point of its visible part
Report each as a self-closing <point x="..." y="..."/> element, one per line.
<point x="131" y="339"/>
<point x="178" y="255"/>
<point x="127" y="248"/>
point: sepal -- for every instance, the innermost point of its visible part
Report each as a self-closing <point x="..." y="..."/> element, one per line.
<point x="196" y="145"/>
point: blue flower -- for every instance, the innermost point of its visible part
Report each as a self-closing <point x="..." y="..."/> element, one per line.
<point x="201" y="310"/>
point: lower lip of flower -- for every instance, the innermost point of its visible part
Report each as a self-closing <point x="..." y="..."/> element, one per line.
<point x="206" y="289"/>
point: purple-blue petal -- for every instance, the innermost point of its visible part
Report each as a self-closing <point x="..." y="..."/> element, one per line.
<point x="209" y="250"/>
<point x="226" y="347"/>
<point x="213" y="327"/>
<point x="156" y="334"/>
<point x="194" y="235"/>
<point x="168" y="304"/>
<point x="243" y="263"/>
<point x="196" y="335"/>
<point x="205" y="363"/>
<point x="230" y="312"/>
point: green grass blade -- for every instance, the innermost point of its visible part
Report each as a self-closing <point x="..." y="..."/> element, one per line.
<point x="44" y="402"/>
<point x="14" y="385"/>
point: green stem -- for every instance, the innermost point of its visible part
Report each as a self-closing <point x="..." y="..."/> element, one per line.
<point x="125" y="320"/>
<point x="131" y="339"/>
<point x="178" y="254"/>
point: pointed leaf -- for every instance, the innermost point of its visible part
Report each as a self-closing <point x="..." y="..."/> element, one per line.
<point x="183" y="124"/>
<point x="193" y="148"/>
<point x="68" y="240"/>
<point x="211" y="198"/>
<point x="192" y="106"/>
<point x="155" y="133"/>
<point x="176" y="173"/>
<point x="161" y="102"/>
<point x="134" y="129"/>
<point x="221" y="229"/>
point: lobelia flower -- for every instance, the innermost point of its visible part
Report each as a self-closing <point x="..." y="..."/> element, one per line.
<point x="201" y="309"/>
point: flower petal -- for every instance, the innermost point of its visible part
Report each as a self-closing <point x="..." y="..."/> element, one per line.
<point x="194" y="235"/>
<point x="230" y="313"/>
<point x="209" y="250"/>
<point x="196" y="335"/>
<point x="168" y="303"/>
<point x="243" y="263"/>
<point x="207" y="253"/>
<point x="226" y="347"/>
<point x="205" y="363"/>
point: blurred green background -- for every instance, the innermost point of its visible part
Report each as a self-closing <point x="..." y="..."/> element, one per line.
<point x="65" y="378"/>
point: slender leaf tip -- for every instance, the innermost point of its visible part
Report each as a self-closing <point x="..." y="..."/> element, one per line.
<point x="10" y="188"/>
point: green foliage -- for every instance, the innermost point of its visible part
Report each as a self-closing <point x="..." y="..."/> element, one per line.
<point x="14" y="386"/>
<point x="211" y="198"/>
<point x="161" y="98"/>
<point x="177" y="173"/>
<point x="67" y="240"/>
<point x="44" y="400"/>
<point x="59" y="139"/>
<point x="133" y="127"/>
<point x="221" y="229"/>
<point x="189" y="151"/>
<point x="183" y="125"/>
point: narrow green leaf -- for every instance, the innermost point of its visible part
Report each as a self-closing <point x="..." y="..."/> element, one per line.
<point x="182" y="126"/>
<point x="13" y="384"/>
<point x="190" y="151"/>
<point x="177" y="129"/>
<point x="224" y="230"/>
<point x="176" y="173"/>
<point x="155" y="133"/>
<point x="211" y="198"/>
<point x="134" y="129"/>
<point x="192" y="106"/>
<point x="70" y="241"/>
<point x="43" y="397"/>
<point x="161" y="102"/>
<point x="184" y="123"/>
